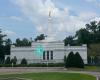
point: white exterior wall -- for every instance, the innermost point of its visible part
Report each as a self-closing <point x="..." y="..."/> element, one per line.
<point x="59" y="51"/>
<point x="25" y="52"/>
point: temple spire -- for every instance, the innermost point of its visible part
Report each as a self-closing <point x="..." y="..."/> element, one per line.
<point x="49" y="13"/>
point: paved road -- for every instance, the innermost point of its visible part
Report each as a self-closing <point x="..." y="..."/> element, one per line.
<point x="43" y="69"/>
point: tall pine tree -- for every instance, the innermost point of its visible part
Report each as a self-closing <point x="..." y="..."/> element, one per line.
<point x="78" y="61"/>
<point x="70" y="60"/>
<point x="2" y="52"/>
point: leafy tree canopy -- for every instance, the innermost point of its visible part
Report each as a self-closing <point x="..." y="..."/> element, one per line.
<point x="40" y="37"/>
<point x="23" y="42"/>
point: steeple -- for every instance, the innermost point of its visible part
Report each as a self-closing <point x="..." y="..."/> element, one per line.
<point x="49" y="28"/>
<point x="49" y="18"/>
<point x="49" y="13"/>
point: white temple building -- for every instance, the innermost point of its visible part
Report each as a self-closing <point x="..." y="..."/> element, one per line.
<point x="53" y="52"/>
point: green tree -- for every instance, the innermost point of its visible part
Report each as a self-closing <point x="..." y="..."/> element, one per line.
<point x="24" y="61"/>
<point x="92" y="27"/>
<point x="1" y="37"/>
<point x="83" y="36"/>
<point x="23" y="42"/>
<point x="18" y="42"/>
<point x="2" y="52"/>
<point x="70" y="60"/>
<point x="14" y="60"/>
<point x="40" y="37"/>
<point x="98" y="26"/>
<point x="26" y="42"/>
<point x="78" y="61"/>
<point x="7" y="61"/>
<point x="98" y="32"/>
<point x="8" y="43"/>
<point x="90" y="34"/>
<point x="69" y="40"/>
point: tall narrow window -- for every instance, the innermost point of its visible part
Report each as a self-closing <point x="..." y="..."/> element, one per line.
<point x="44" y="55"/>
<point x="47" y="55"/>
<point x="51" y="55"/>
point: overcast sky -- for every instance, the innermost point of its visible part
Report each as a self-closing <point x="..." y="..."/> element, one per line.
<point x="29" y="18"/>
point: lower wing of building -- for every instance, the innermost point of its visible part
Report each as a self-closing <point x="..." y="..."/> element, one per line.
<point x="43" y="52"/>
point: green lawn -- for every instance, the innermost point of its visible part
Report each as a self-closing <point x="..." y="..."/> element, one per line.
<point x="92" y="68"/>
<point x="50" y="76"/>
<point x="87" y="68"/>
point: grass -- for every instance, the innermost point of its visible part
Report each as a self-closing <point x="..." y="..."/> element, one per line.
<point x="86" y="68"/>
<point x="93" y="68"/>
<point x="50" y="76"/>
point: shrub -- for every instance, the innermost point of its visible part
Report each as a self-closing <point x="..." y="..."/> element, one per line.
<point x="70" y="60"/>
<point x="7" y="61"/>
<point x="34" y="65"/>
<point x="14" y="60"/>
<point x="74" y="60"/>
<point x="24" y="61"/>
<point x="37" y="65"/>
<point x="45" y="65"/>
<point x="55" y="64"/>
<point x="78" y="61"/>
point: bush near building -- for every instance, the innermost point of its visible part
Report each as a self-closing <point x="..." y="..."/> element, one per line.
<point x="74" y="61"/>
<point x="34" y="65"/>
<point x="78" y="61"/>
<point x="7" y="61"/>
<point x="24" y="61"/>
<point x="14" y="60"/>
<point x="70" y="60"/>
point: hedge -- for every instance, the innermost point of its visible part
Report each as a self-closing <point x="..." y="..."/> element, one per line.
<point x="34" y="65"/>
